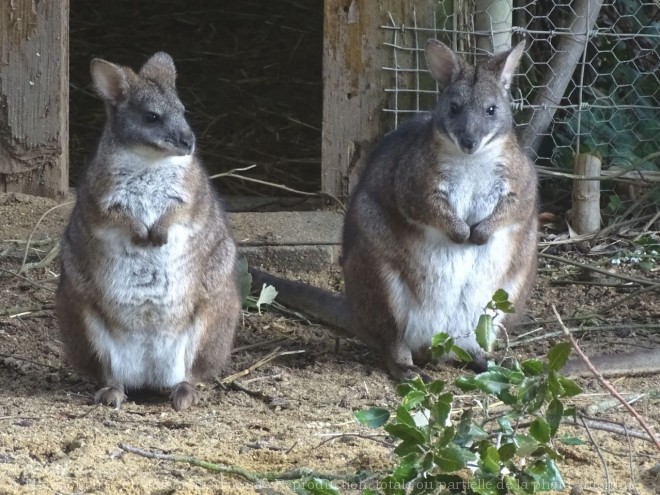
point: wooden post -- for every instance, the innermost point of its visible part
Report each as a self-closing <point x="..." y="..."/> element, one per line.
<point x="34" y="97"/>
<point x="586" y="195"/>
<point x="353" y="96"/>
<point x="493" y="23"/>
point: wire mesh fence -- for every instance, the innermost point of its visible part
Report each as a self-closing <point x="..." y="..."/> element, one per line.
<point x="589" y="82"/>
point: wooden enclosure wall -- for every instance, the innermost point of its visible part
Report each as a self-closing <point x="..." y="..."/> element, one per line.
<point x="34" y="97"/>
<point x="353" y="82"/>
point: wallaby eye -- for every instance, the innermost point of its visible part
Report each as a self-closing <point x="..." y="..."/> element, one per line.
<point x="491" y="110"/>
<point x="454" y="109"/>
<point x="151" y="118"/>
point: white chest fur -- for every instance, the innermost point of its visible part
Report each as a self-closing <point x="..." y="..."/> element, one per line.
<point x="144" y="359"/>
<point x="460" y="279"/>
<point x="473" y="185"/>
<point x="134" y="275"/>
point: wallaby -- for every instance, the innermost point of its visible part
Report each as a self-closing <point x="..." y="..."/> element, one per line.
<point x="443" y="216"/>
<point x="147" y="297"/>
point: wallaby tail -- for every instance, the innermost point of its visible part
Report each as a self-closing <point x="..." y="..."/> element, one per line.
<point x="322" y="305"/>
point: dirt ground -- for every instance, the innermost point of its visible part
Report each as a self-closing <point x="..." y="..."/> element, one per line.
<point x="54" y="440"/>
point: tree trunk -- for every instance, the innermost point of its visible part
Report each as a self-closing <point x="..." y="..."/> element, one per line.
<point x="34" y="97"/>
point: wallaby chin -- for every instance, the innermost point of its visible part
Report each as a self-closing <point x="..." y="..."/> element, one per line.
<point x="156" y="155"/>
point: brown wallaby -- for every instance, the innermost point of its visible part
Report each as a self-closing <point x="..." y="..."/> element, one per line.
<point x="443" y="216"/>
<point x="147" y="296"/>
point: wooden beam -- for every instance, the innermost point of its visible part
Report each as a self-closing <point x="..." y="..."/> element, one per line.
<point x="354" y="82"/>
<point x="34" y="97"/>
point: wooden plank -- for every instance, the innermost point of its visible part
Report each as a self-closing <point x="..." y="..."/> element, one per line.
<point x="34" y="97"/>
<point x="353" y="95"/>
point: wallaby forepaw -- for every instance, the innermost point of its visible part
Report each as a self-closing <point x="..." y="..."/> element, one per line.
<point x="460" y="232"/>
<point x="480" y="234"/>
<point x="158" y="236"/>
<point x="183" y="396"/>
<point x="109" y="396"/>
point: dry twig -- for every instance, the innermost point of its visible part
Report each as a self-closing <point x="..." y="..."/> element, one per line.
<point x="604" y="383"/>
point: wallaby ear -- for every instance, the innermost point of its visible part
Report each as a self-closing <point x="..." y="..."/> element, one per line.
<point x="507" y="62"/>
<point x="444" y="64"/>
<point x="160" y="67"/>
<point x="110" y="80"/>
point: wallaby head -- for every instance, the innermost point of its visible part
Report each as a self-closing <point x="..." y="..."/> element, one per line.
<point x="144" y="111"/>
<point x="473" y="110"/>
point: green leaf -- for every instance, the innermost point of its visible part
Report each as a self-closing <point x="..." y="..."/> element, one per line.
<point x="505" y="424"/>
<point x="546" y="475"/>
<point x="501" y="302"/>
<point x="492" y="382"/>
<point x="513" y="486"/>
<point x="558" y="355"/>
<point x="572" y="441"/>
<point x="553" y="415"/>
<point x="374" y="417"/>
<point x="526" y="445"/>
<point x="571" y="389"/>
<point x="466" y="383"/>
<point x="404" y="417"/>
<point x="316" y="486"/>
<point x="507" y="451"/>
<point x="461" y="354"/>
<point x="441" y="409"/>
<point x="436" y="387"/>
<point x="413" y="399"/>
<point x="440" y="339"/>
<point x="266" y="296"/>
<point x="490" y="460"/>
<point x="406" y="433"/>
<point x="540" y="430"/>
<point x="450" y="459"/>
<point x="532" y="367"/>
<point x="406" y="448"/>
<point x="486" y="333"/>
<point x="243" y="277"/>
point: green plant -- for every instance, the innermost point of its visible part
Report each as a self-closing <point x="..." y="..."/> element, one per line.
<point x="645" y="254"/>
<point x="485" y="450"/>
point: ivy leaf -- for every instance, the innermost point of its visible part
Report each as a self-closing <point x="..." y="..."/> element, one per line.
<point x="374" y="417"/>
<point x="540" y="430"/>
<point x="558" y="355"/>
<point x="441" y="409"/>
<point x="486" y="333"/>
<point x="436" y="387"/>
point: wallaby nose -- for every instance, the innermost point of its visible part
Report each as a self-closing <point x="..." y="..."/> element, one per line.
<point x="187" y="141"/>
<point x="468" y="144"/>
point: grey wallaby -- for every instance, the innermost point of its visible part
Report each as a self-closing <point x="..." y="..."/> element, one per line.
<point x="443" y="216"/>
<point x="147" y="296"/>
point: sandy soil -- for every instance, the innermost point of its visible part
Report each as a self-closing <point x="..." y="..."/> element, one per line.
<point x="54" y="440"/>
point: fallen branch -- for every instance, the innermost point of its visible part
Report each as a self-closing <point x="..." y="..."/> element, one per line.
<point x="604" y="383"/>
<point x="602" y="271"/>
<point x="252" y="476"/>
